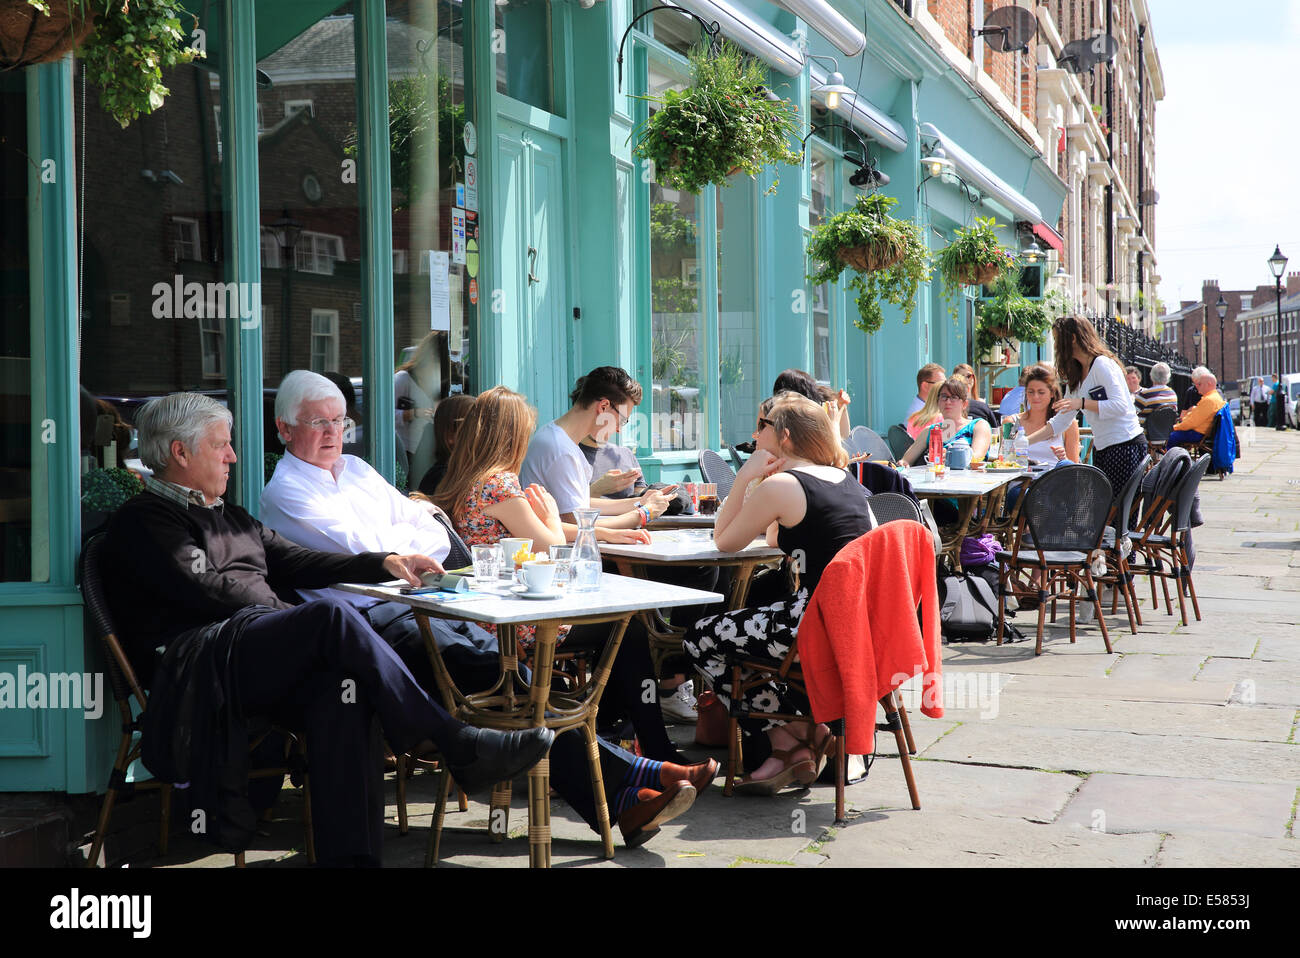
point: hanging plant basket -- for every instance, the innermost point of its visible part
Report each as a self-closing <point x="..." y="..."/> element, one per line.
<point x="124" y="45"/>
<point x="28" y="36"/>
<point x="975" y="257"/>
<point x="879" y="255"/>
<point x="974" y="274"/>
<point x="886" y="257"/>
<point x="720" y="125"/>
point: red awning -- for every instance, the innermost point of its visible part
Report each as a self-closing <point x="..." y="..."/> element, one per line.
<point x="1050" y="237"/>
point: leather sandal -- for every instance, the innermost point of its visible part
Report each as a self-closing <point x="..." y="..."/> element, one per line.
<point x="791" y="772"/>
<point x="804" y="777"/>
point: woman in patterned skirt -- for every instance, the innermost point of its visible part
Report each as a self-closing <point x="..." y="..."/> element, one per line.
<point x="809" y="507"/>
<point x="1095" y="386"/>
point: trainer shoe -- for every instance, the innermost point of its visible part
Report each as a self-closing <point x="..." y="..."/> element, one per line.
<point x="680" y="705"/>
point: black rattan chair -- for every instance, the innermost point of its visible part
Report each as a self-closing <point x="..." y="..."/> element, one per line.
<point x="1119" y="526"/>
<point x="1061" y="524"/>
<point x="1160" y="423"/>
<point x="862" y="439"/>
<point x="1164" y="536"/>
<point x="891" y="506"/>
<point x="716" y="470"/>
<point x="899" y="441"/>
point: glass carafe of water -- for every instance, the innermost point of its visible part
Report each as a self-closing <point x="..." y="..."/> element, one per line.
<point x="584" y="567"/>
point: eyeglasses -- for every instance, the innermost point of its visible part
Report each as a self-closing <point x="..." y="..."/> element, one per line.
<point x="622" y="420"/>
<point x="338" y="422"/>
<point x="948" y="397"/>
<point x="765" y="422"/>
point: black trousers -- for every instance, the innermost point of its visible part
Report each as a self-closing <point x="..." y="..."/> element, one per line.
<point x="1261" y="413"/>
<point x="470" y="654"/>
<point x="321" y="669"/>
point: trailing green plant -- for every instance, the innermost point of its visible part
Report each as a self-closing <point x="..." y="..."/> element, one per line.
<point x="886" y="257"/>
<point x="723" y="123"/>
<point x="670" y="231"/>
<point x="104" y="490"/>
<point x="1008" y="316"/>
<point x="126" y="51"/>
<point x="974" y="250"/>
<point x="672" y="294"/>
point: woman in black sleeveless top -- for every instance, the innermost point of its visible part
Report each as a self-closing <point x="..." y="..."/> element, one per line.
<point x="809" y="507"/>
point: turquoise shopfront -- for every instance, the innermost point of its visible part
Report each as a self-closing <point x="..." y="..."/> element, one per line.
<point x="444" y="186"/>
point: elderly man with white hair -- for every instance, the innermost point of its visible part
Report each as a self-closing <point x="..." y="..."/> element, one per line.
<point x="202" y="582"/>
<point x="1192" y="395"/>
<point x="1196" y="422"/>
<point x="1158" y="394"/>
<point x="321" y="498"/>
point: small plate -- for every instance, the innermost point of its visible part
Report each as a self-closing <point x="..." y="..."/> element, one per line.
<point x="523" y="593"/>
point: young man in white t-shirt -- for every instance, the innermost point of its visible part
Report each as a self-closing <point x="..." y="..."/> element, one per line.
<point x="603" y="400"/>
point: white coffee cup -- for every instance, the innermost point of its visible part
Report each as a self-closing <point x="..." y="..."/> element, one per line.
<point x="538" y="576"/>
<point x="510" y="547"/>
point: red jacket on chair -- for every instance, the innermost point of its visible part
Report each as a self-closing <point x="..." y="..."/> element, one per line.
<point x="860" y="638"/>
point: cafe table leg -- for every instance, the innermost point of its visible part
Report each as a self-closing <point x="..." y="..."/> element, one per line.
<point x="539" y="778"/>
<point x="599" y="677"/>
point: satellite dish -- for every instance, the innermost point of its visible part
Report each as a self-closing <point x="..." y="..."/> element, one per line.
<point x="1148" y="198"/>
<point x="1008" y="28"/>
<point x="1080" y="56"/>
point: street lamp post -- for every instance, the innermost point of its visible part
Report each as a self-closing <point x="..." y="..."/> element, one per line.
<point x="1277" y="266"/>
<point x="286" y="230"/>
<point x="1221" y="307"/>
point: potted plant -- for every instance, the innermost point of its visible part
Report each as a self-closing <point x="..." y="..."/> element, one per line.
<point x="1009" y="318"/>
<point x="125" y="45"/>
<point x="886" y="255"/>
<point x="722" y="124"/>
<point x="974" y="257"/>
<point x="102" y="492"/>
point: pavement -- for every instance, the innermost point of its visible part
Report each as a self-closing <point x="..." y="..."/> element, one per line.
<point x="1179" y="749"/>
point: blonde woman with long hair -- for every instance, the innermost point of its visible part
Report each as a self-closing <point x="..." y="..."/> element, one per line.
<point x="810" y="507"/>
<point x="927" y="415"/>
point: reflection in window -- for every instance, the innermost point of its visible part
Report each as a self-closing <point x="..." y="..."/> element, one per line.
<point x="311" y="240"/>
<point x="677" y="335"/>
<point x="522" y="44"/>
<point x="437" y="296"/>
<point x="821" y="316"/>
<point x="21" y="473"/>
<point x="154" y="315"/>
<point x="740" y="390"/>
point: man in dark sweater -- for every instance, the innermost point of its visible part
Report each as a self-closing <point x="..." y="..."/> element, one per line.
<point x="181" y="569"/>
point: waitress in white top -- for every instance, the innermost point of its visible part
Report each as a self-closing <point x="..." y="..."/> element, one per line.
<point x="1095" y="385"/>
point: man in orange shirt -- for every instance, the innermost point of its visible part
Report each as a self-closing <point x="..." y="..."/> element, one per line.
<point x="1196" y="421"/>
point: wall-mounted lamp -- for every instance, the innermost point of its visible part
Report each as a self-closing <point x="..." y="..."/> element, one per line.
<point x="936" y="163"/>
<point x="1032" y="252"/>
<point x="834" y="87"/>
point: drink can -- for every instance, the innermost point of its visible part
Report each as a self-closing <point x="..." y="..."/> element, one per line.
<point x="692" y="490"/>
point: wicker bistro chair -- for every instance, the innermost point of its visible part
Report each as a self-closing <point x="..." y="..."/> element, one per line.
<point x="1164" y="536"/>
<point x="862" y="439"/>
<point x="716" y="470"/>
<point x="128" y="775"/>
<point x="1118" y="528"/>
<point x="1061" y="524"/>
<point x="1160" y="423"/>
<point x="899" y="441"/>
<point x="750" y="672"/>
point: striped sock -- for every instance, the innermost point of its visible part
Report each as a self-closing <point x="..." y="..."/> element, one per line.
<point x="643" y="773"/>
<point x="625" y="799"/>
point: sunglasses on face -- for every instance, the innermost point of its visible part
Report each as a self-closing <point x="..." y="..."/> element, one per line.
<point x="765" y="422"/>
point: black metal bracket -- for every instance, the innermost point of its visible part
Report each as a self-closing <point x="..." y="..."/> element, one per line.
<point x="713" y="30"/>
<point x="865" y="164"/>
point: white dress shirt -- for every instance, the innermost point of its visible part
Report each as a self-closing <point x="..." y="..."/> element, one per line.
<point x="1114" y="420"/>
<point x="347" y="509"/>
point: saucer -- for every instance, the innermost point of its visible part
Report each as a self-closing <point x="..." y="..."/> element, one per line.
<point x="523" y="593"/>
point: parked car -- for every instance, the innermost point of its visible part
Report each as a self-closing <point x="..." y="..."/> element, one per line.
<point x="1234" y="408"/>
<point x="1291" y="381"/>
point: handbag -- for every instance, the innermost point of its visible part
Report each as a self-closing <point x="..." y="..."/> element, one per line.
<point x="712" y="723"/>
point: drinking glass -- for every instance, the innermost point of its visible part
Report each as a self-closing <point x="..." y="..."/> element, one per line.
<point x="708" y="498"/>
<point x="485" y="563"/>
<point x="561" y="556"/>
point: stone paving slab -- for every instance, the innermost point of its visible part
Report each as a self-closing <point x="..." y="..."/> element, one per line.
<point x="1142" y="803"/>
<point x="1176" y="641"/>
<point x="1279" y="648"/>
<point x="1174" y="667"/>
<point x="942" y="840"/>
<point x="1257" y="723"/>
<point x="1178" y="756"/>
<point x="999" y="792"/>
<point x="1137" y="690"/>
<point x="1224" y="850"/>
<point x="1274" y="683"/>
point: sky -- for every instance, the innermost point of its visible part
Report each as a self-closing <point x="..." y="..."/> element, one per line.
<point x="1227" y="142"/>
